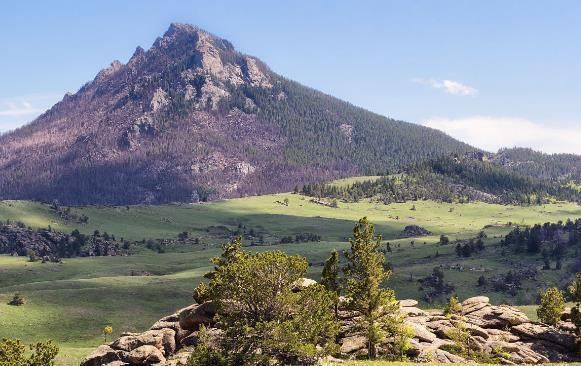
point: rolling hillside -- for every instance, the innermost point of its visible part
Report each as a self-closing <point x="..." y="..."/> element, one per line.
<point x="131" y="292"/>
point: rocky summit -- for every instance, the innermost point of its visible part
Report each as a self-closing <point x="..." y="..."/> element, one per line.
<point x="192" y="119"/>
<point x="500" y="331"/>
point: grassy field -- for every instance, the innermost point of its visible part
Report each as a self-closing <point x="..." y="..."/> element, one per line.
<point x="70" y="302"/>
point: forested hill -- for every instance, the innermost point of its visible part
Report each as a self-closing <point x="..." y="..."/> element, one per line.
<point x="540" y="165"/>
<point x="462" y="178"/>
<point x="193" y="119"/>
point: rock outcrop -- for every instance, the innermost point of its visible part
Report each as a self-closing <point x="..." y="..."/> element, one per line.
<point x="500" y="331"/>
<point x="48" y="244"/>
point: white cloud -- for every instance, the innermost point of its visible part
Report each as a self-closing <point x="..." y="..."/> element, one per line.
<point x="448" y="86"/>
<point x="492" y="133"/>
<point x="17" y="109"/>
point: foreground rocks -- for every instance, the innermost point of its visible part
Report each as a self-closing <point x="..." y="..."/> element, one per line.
<point x="502" y="331"/>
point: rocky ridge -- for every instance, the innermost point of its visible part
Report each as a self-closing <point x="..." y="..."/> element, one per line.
<point x="501" y="331"/>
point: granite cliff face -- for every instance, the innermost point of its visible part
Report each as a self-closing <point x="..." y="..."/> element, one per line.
<point x="193" y="119"/>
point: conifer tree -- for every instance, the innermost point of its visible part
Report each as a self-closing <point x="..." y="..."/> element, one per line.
<point x="364" y="275"/>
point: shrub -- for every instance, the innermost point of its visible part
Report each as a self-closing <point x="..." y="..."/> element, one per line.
<point x="17" y="300"/>
<point x="13" y="353"/>
<point x="265" y="320"/>
<point x="453" y="307"/>
<point x="551" y="307"/>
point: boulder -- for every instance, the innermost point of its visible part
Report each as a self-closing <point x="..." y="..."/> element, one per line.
<point x="446" y="357"/>
<point x="302" y="283"/>
<point x="162" y="339"/>
<point x="117" y="363"/>
<point x="511" y="315"/>
<point x="101" y="356"/>
<point x="421" y="332"/>
<point x="146" y="355"/>
<point x="193" y="316"/>
<point x="476" y="300"/>
<point x="536" y="331"/>
<point x="179" y="359"/>
<point x="412" y="311"/>
<point x="566" y="326"/>
<point x="501" y="335"/>
<point x="353" y="343"/>
<point x="470" y="308"/>
<point x="497" y="317"/>
<point x="168" y="341"/>
<point x="408" y="303"/>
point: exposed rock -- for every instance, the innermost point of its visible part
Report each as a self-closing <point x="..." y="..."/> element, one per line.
<point x="303" y="283"/>
<point x="347" y="131"/>
<point x="160" y="99"/>
<point x="421" y="332"/>
<point x="193" y="316"/>
<point x="408" y="303"/>
<point x="497" y="317"/>
<point x="501" y="331"/>
<point x="476" y="300"/>
<point x="146" y="355"/>
<point x="414" y="230"/>
<point x="101" y="356"/>
<point x="353" y="343"/>
<point x="412" y="311"/>
<point x="547" y="333"/>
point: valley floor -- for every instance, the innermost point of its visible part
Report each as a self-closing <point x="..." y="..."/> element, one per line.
<point x="70" y="302"/>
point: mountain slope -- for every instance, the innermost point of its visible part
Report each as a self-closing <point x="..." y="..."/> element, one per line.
<point x="193" y="119"/>
<point x="539" y="165"/>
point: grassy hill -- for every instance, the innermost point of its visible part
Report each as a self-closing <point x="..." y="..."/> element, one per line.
<point x="71" y="301"/>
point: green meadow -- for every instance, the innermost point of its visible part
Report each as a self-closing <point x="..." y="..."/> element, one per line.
<point x="70" y="302"/>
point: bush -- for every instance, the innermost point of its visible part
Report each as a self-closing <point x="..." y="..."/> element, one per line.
<point x="17" y="300"/>
<point x="268" y="320"/>
<point x="551" y="307"/>
<point x="13" y="353"/>
<point x="453" y="306"/>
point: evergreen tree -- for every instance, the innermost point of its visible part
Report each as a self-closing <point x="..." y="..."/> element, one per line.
<point x="330" y="276"/>
<point x="551" y="307"/>
<point x="364" y="275"/>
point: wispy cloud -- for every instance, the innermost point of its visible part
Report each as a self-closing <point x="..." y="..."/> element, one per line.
<point x="448" y="86"/>
<point x="17" y="109"/>
<point x="492" y="133"/>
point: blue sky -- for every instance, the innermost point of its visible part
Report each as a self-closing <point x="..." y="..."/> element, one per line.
<point x="493" y="73"/>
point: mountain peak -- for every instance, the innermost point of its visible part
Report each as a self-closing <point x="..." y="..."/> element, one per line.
<point x="192" y="118"/>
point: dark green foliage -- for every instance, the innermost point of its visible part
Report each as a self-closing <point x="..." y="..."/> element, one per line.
<point x="551" y="307"/>
<point x="259" y="309"/>
<point x="549" y="239"/>
<point x="364" y="276"/>
<point x="540" y="165"/>
<point x="451" y="179"/>
<point x="17" y="300"/>
<point x="466" y="249"/>
<point x="13" y="353"/>
<point x="330" y="275"/>
<point x="453" y="306"/>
